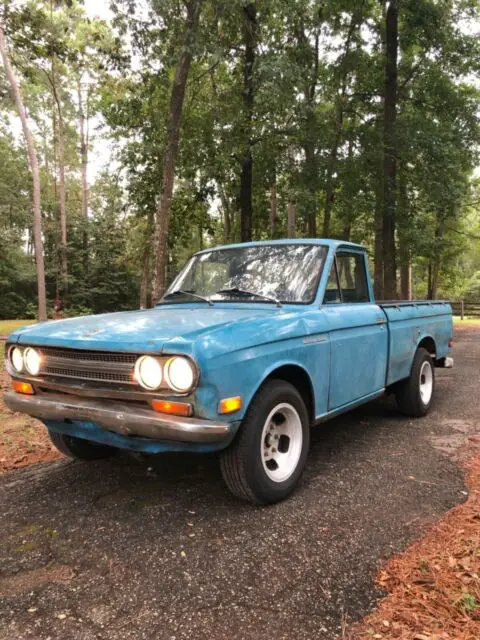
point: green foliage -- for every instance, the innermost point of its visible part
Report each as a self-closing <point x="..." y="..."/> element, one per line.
<point x="316" y="128"/>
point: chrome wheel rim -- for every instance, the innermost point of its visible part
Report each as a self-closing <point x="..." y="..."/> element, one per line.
<point x="281" y="442"/>
<point x="426" y="382"/>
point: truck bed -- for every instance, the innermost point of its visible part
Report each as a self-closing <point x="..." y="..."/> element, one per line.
<point x="412" y="321"/>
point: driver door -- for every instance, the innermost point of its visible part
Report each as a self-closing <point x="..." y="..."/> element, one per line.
<point x="358" y="333"/>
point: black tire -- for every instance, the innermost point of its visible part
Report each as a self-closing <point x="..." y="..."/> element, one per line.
<point x="242" y="463"/>
<point x="408" y="392"/>
<point x="79" y="448"/>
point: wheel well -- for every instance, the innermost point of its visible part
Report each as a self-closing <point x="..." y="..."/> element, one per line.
<point x="300" y="379"/>
<point x="428" y="343"/>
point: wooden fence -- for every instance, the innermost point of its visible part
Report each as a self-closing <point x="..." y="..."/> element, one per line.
<point x="466" y="309"/>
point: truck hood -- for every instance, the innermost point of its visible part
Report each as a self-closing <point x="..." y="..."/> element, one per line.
<point x="136" y="331"/>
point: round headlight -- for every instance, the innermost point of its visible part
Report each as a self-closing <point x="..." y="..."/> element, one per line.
<point x="16" y="358"/>
<point x="148" y="372"/>
<point x="32" y="361"/>
<point x="179" y="374"/>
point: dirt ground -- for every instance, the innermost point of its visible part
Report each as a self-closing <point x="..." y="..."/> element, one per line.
<point x="157" y="548"/>
<point x="22" y="440"/>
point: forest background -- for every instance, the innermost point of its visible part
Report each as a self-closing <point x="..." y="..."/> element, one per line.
<point x="136" y="132"/>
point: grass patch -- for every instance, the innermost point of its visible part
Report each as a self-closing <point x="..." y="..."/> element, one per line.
<point x="7" y="326"/>
<point x="466" y="320"/>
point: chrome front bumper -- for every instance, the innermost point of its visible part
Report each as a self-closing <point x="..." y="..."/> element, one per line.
<point x="119" y="417"/>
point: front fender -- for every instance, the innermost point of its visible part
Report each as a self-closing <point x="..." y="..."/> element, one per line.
<point x="242" y="372"/>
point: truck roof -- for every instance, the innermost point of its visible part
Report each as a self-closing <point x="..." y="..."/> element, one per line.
<point x="326" y="242"/>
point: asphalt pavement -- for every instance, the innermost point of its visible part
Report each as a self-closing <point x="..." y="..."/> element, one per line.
<point x="157" y="548"/>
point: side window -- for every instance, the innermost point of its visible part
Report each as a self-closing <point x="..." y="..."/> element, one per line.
<point x="332" y="292"/>
<point x="352" y="277"/>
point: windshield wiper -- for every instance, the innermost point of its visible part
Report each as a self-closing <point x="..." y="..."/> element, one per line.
<point x="184" y="292"/>
<point x="243" y="292"/>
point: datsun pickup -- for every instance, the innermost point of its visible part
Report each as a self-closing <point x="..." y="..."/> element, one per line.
<point x="251" y="345"/>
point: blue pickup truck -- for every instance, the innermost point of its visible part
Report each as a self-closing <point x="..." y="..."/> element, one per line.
<point x="251" y="346"/>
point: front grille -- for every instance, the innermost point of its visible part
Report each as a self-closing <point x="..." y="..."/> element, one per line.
<point x="97" y="366"/>
<point x="91" y="356"/>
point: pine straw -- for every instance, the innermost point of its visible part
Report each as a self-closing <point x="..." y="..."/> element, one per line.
<point x="434" y="586"/>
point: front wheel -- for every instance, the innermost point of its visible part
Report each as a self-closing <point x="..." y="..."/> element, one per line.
<point x="267" y="458"/>
<point x="415" y="394"/>
<point x="79" y="448"/>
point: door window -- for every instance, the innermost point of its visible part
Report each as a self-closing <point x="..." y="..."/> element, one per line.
<point x="332" y="293"/>
<point x="348" y="280"/>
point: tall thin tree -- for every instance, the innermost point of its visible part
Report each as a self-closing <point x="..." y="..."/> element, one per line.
<point x="62" y="200"/>
<point x="390" y="151"/>
<point x="249" y="31"/>
<point x="34" y="167"/>
<point x="162" y="222"/>
<point x="83" y="130"/>
<point x="339" y="114"/>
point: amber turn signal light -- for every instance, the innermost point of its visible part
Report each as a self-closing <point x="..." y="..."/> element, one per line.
<point x="230" y="405"/>
<point x="23" y="387"/>
<point x="174" y="408"/>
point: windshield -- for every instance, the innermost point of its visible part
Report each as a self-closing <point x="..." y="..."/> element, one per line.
<point x="280" y="272"/>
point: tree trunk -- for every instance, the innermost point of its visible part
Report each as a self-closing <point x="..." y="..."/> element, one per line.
<point x="434" y="264"/>
<point x="378" y="257"/>
<point x="311" y="176"/>
<point x="61" y="185"/>
<point x="346" y="213"/>
<point x="390" y="151"/>
<point x="332" y="161"/>
<point x="273" y="206"/>
<point x="291" y="215"/>
<point x="246" y="204"/>
<point x="406" y="277"/>
<point x="145" y="277"/>
<point x="434" y="281"/>
<point x="249" y="28"/>
<point x="62" y="203"/>
<point x="405" y="253"/>
<point x="429" y="280"/>
<point x="177" y="97"/>
<point x="347" y="230"/>
<point x="338" y="126"/>
<point x="83" y="126"/>
<point x="227" y="214"/>
<point x="146" y="264"/>
<point x="34" y="167"/>
<point x="310" y="170"/>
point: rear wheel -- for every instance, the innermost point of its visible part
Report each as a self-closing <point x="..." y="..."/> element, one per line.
<point x="267" y="458"/>
<point x="78" y="448"/>
<point x="415" y="394"/>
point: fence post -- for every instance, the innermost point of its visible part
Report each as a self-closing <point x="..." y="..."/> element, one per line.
<point x="461" y="310"/>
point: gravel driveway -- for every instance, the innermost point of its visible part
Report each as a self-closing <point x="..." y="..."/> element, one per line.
<point x="157" y="548"/>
